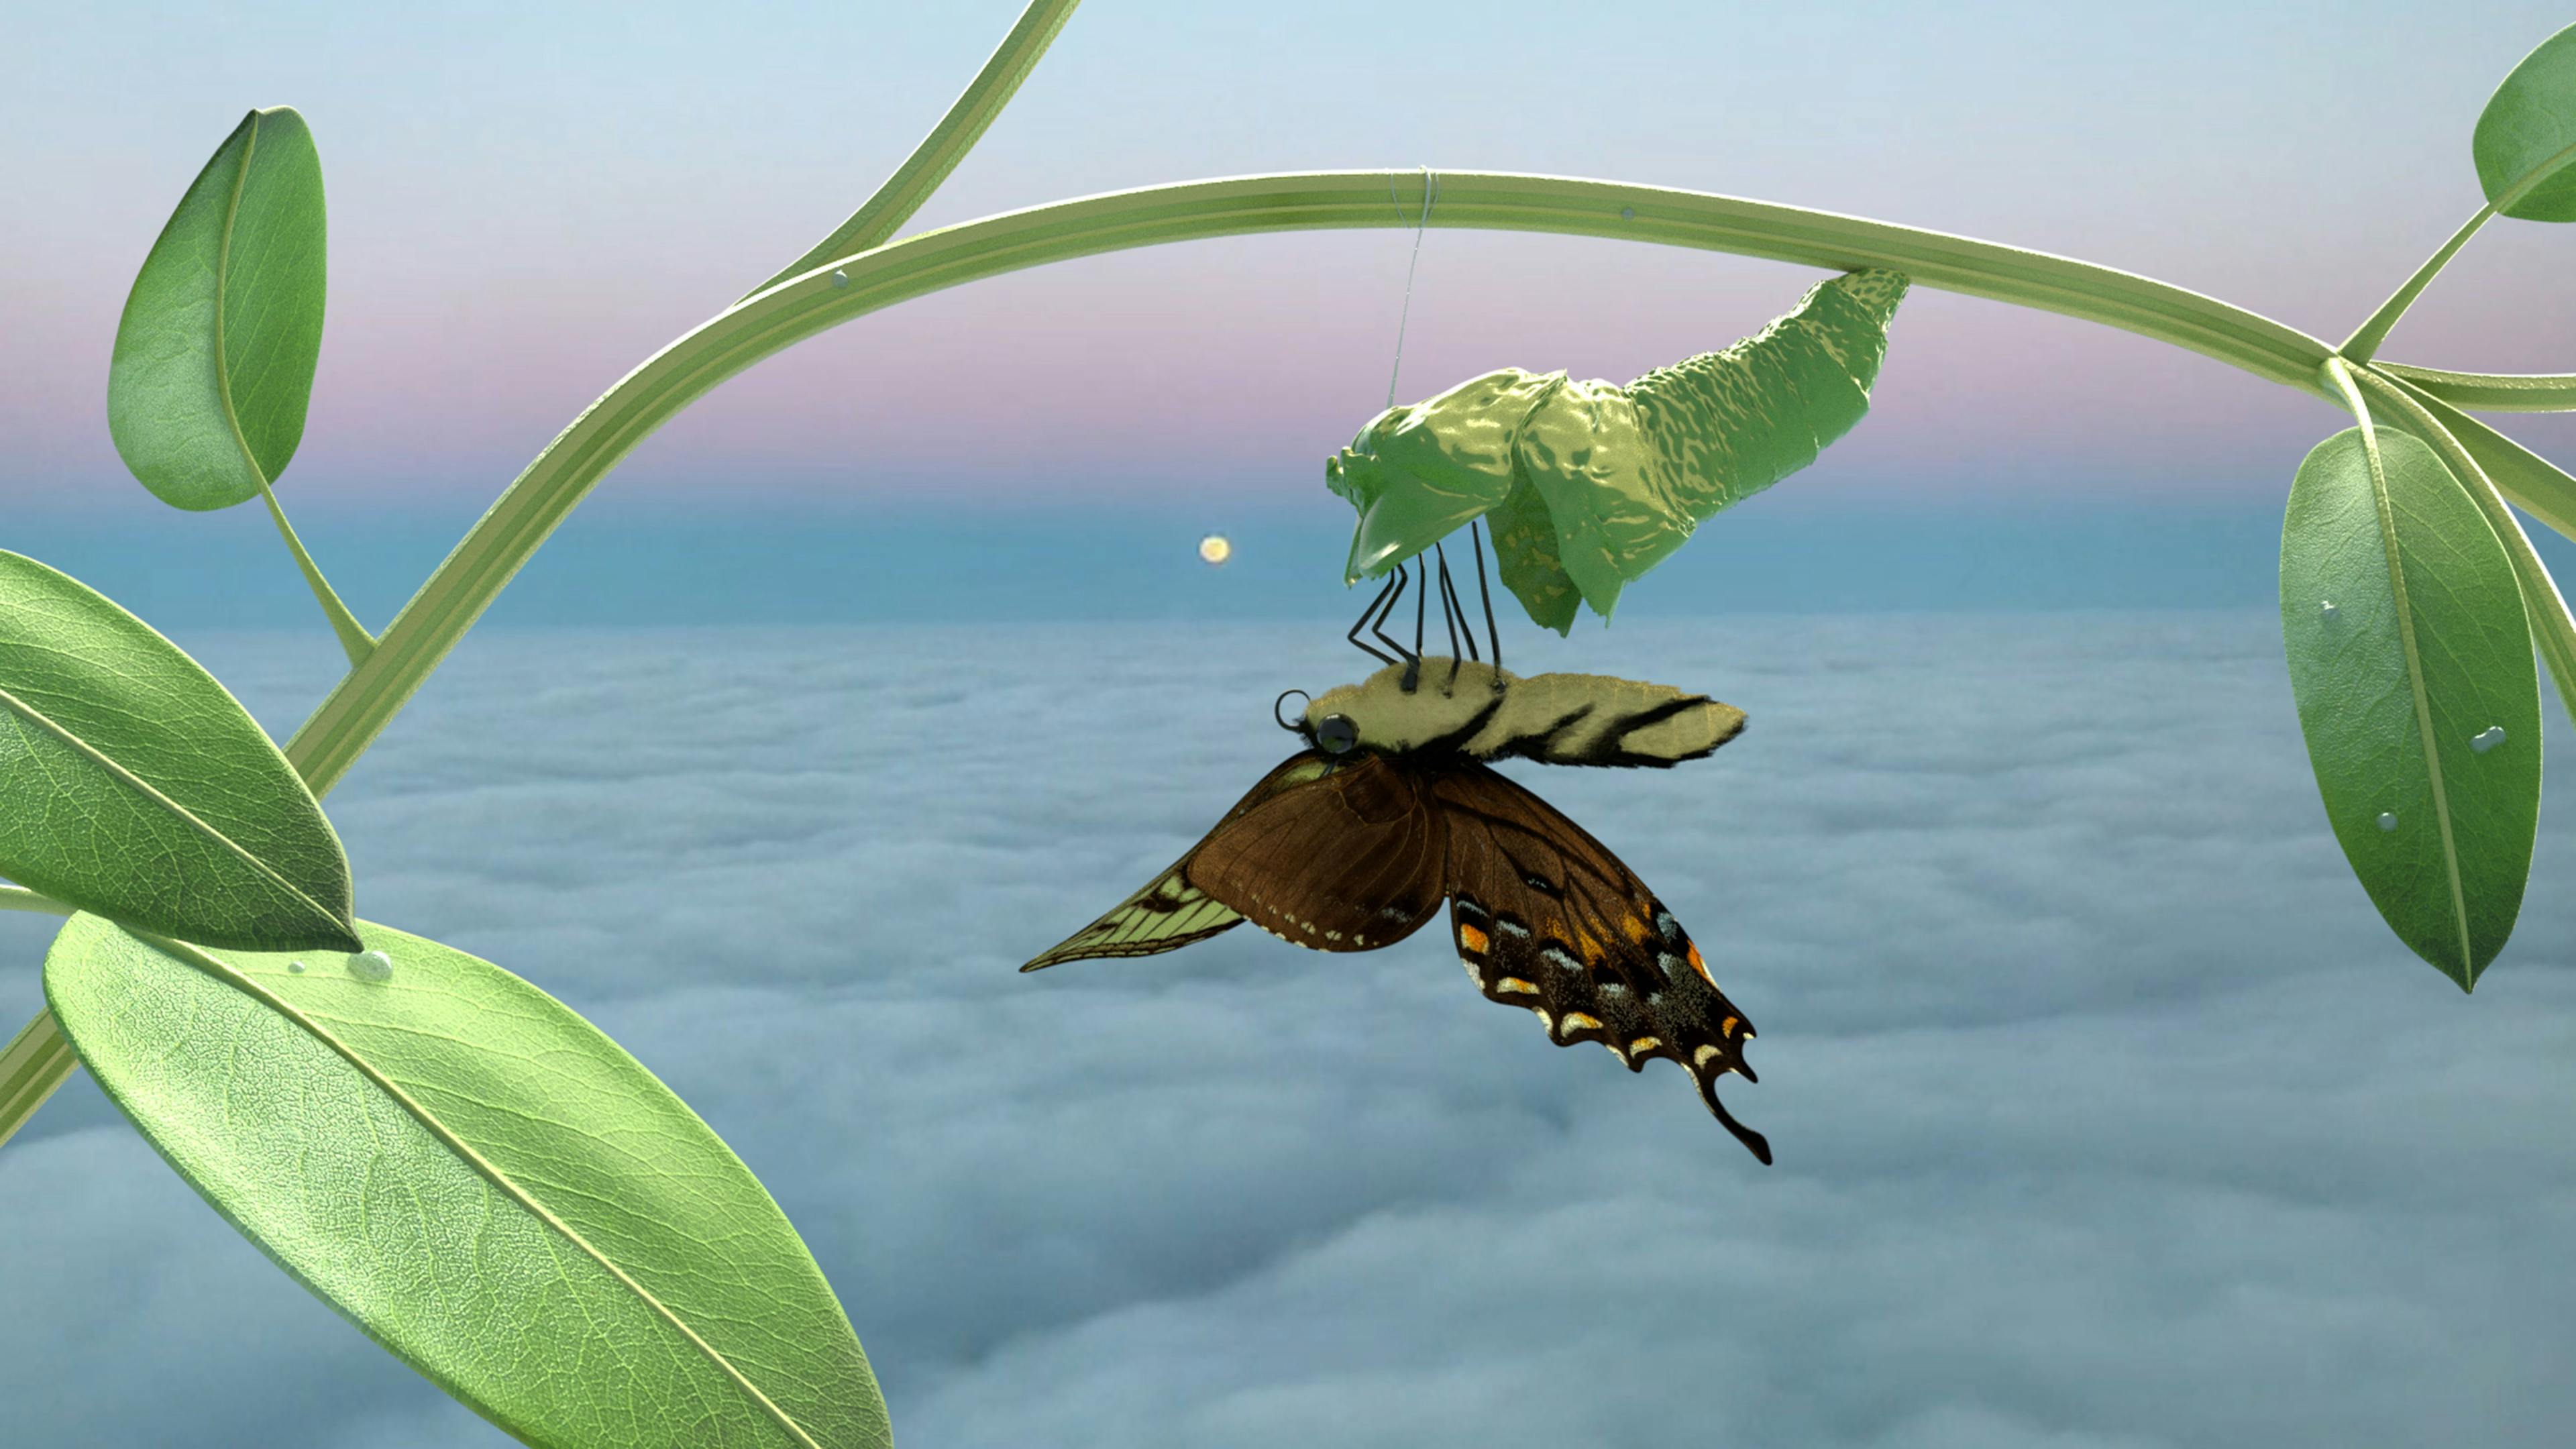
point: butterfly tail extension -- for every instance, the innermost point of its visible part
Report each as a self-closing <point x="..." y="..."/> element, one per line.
<point x="1755" y="1142"/>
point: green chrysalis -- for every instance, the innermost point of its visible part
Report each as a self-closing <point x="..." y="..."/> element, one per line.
<point x="1590" y="484"/>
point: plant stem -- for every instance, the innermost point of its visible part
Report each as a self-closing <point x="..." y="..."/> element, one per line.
<point x="36" y="1062"/>
<point x="947" y="144"/>
<point x="2495" y="392"/>
<point x="2365" y="340"/>
<point x="531" y="508"/>
<point x="355" y="641"/>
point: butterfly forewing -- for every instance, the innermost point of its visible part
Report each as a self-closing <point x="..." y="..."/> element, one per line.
<point x="1169" y="912"/>
<point x="1547" y="919"/>
<point x="1348" y="861"/>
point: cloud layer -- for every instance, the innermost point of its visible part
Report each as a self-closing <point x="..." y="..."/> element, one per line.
<point x="2107" y="1112"/>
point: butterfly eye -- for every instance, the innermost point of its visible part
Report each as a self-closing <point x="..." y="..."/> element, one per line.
<point x="1336" y="734"/>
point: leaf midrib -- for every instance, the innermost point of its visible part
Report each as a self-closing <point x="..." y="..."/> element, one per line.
<point x="153" y="795"/>
<point x="2532" y="178"/>
<point x="223" y="289"/>
<point x="223" y="971"/>
<point x="2415" y="685"/>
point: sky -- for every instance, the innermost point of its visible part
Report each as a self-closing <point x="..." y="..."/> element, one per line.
<point x="528" y="200"/>
<point x="2107" y="1114"/>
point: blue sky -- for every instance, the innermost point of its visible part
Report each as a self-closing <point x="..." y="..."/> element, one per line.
<point x="528" y="200"/>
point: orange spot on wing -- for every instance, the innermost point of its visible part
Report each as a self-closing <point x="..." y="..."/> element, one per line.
<point x="1637" y="928"/>
<point x="1472" y="939"/>
<point x="1699" y="965"/>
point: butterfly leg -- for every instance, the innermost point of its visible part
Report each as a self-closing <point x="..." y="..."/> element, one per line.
<point x="1394" y="581"/>
<point x="1413" y="658"/>
<point x="1476" y="538"/>
<point x="1421" y="596"/>
<point x="1453" y="615"/>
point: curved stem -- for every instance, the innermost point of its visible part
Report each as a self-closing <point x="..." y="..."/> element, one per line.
<point x="2365" y="339"/>
<point x="530" y="509"/>
<point x="2495" y="392"/>
<point x="945" y="146"/>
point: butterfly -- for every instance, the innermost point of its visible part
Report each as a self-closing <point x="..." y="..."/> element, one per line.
<point x="1352" y="843"/>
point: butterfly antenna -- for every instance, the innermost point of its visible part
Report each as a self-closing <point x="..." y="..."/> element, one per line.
<point x="1282" y="720"/>
<point x="1476" y="537"/>
<point x="1379" y="629"/>
<point x="1365" y="614"/>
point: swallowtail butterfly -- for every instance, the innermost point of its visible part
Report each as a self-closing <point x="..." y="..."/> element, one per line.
<point x="1353" y="842"/>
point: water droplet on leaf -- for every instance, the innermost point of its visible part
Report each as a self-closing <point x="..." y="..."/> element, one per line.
<point x="2487" y="739"/>
<point x="296" y="967"/>
<point x="1627" y="213"/>
<point x="840" y="279"/>
<point x="2329" y="609"/>
<point x="372" y="966"/>
<point x="2387" y="820"/>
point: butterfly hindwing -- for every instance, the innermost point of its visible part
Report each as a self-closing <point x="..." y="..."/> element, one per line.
<point x="1349" y="860"/>
<point x="1547" y="919"/>
<point x="1169" y="912"/>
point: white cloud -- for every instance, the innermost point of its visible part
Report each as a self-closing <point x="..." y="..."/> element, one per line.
<point x="2107" y="1112"/>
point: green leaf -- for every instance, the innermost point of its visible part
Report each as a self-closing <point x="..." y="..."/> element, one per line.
<point x="1590" y="484"/>
<point x="215" y="353"/>
<point x="2410" y="656"/>
<point x="133" y="785"/>
<point x="2482" y="470"/>
<point x="481" y="1181"/>
<point x="2527" y="135"/>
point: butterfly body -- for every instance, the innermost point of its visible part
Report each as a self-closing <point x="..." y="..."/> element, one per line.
<point x="1353" y="849"/>
<point x="1484" y="713"/>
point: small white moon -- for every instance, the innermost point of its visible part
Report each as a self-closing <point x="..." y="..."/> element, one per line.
<point x="1215" y="549"/>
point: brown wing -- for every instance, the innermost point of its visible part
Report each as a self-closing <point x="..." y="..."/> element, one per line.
<point x="1349" y="860"/>
<point x="1548" y="919"/>
<point x="1169" y="912"/>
